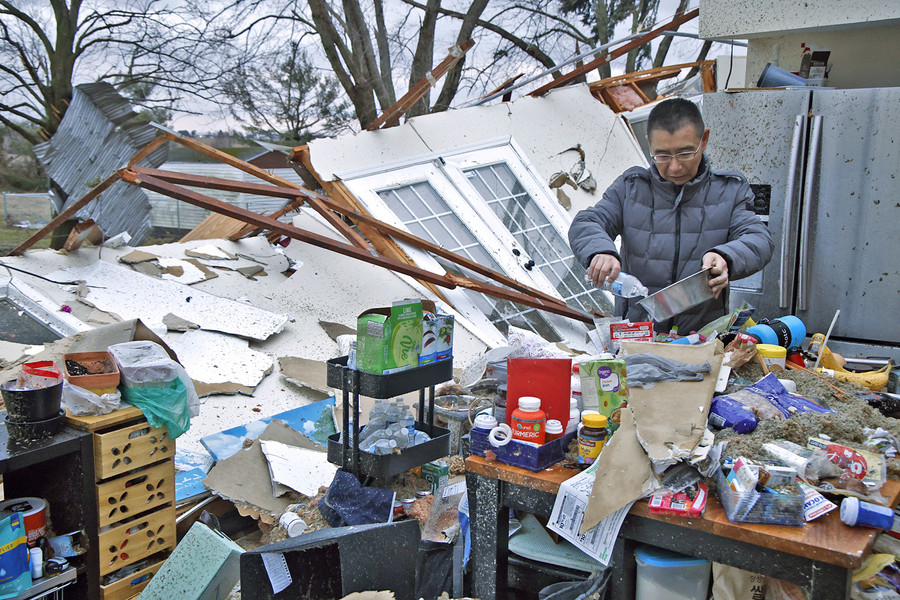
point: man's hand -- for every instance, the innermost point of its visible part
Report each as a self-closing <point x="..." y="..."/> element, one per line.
<point x="718" y="270"/>
<point x="603" y="267"/>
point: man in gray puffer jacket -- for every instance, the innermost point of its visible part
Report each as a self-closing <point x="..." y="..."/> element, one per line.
<point x="675" y="218"/>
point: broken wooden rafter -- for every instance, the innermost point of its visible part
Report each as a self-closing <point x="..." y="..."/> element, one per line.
<point x="609" y="56"/>
<point x="64" y="215"/>
<point x="391" y="116"/>
<point x="385" y="228"/>
<point x="155" y="184"/>
<point x="506" y="84"/>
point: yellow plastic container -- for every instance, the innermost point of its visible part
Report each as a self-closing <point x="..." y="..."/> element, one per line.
<point x="772" y="354"/>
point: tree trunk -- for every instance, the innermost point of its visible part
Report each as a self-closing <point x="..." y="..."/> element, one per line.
<point x="424" y="57"/>
<point x="451" y="80"/>
<point x="704" y="52"/>
<point x="384" y="49"/>
<point x="664" y="44"/>
<point x="356" y="84"/>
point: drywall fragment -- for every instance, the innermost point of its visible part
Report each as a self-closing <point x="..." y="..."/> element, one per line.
<point x="336" y="329"/>
<point x="175" y="269"/>
<point x="300" y="469"/>
<point x="210" y="252"/>
<point x="220" y="363"/>
<point x="252" y="272"/>
<point x="176" y="323"/>
<point x="243" y="478"/>
<point x="305" y="373"/>
<point x="131" y="295"/>
<point x="563" y="199"/>
<point x="137" y="256"/>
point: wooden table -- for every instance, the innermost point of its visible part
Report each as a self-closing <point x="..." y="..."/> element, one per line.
<point x="819" y="557"/>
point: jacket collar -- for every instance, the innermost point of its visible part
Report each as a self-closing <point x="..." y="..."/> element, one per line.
<point x="666" y="190"/>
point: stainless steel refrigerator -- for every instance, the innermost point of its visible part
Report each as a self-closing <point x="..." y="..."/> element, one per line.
<point x="825" y="165"/>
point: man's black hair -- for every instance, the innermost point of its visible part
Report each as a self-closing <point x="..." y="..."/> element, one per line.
<point x="671" y="115"/>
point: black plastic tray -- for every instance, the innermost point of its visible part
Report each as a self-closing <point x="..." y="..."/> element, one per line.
<point x="387" y="386"/>
<point x="388" y="465"/>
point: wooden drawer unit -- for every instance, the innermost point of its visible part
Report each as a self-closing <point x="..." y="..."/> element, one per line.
<point x="130" y="586"/>
<point x="135" y="493"/>
<point x="132" y="446"/>
<point x="134" y="480"/>
<point x="135" y="540"/>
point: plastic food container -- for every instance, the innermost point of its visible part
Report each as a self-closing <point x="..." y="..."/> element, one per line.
<point x="665" y="574"/>
<point x="102" y="375"/>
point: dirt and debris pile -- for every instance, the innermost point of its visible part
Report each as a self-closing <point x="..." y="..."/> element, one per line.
<point x="845" y="426"/>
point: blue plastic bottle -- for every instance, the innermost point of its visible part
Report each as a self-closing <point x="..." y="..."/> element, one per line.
<point x="788" y="332"/>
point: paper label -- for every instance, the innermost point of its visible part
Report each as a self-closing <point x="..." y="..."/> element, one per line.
<point x="814" y="504"/>
<point x="277" y="570"/>
<point x="568" y="515"/>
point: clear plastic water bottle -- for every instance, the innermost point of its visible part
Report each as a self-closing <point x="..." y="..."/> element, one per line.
<point x="626" y="286"/>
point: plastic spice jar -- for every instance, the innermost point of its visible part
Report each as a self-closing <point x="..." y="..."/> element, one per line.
<point x="528" y="420"/>
<point x="591" y="438"/>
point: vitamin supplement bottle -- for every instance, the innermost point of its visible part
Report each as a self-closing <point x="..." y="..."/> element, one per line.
<point x="591" y="438"/>
<point x="554" y="430"/>
<point x="528" y="420"/>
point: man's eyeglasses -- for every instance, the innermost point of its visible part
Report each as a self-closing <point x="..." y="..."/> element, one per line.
<point x="662" y="159"/>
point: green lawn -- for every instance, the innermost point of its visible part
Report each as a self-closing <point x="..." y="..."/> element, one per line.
<point x="10" y="237"/>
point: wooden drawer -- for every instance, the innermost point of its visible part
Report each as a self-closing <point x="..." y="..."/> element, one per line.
<point x="135" y="493"/>
<point x="130" y="586"/>
<point x="130" y="447"/>
<point x="135" y="540"/>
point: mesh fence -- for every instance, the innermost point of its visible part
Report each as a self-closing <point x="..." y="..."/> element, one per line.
<point x="29" y="211"/>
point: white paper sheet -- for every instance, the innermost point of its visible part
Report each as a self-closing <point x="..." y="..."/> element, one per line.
<point x="568" y="514"/>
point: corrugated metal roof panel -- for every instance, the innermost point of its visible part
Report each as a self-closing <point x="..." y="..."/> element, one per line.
<point x="168" y="212"/>
<point x="96" y="137"/>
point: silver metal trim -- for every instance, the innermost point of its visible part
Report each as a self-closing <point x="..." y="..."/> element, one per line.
<point x="808" y="188"/>
<point x="786" y="278"/>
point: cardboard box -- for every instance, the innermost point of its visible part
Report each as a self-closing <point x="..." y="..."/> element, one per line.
<point x="389" y="339"/>
<point x="604" y="388"/>
<point x="436" y="473"/>
<point x="437" y="336"/>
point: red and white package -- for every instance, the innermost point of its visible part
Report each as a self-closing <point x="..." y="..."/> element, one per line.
<point x="641" y="331"/>
<point x="680" y="504"/>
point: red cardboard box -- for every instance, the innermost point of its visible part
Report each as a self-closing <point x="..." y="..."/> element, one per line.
<point x="641" y="331"/>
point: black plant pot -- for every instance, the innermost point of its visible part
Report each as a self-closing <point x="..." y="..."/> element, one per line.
<point x="28" y="406"/>
<point x="35" y="430"/>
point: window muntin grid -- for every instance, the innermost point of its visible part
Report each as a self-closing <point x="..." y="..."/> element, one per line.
<point x="521" y="215"/>
<point x="426" y="214"/>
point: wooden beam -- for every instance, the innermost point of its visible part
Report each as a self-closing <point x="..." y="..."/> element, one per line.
<point x="359" y="217"/>
<point x="609" y="56"/>
<point x="391" y="116"/>
<point x="447" y="281"/>
<point x="503" y="86"/>
<point x="145" y="152"/>
<point x="64" y="215"/>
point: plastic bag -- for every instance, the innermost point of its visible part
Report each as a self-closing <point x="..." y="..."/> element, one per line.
<point x="143" y="363"/>
<point x="82" y="403"/>
<point x="15" y="575"/>
<point x="731" y="583"/>
<point x="164" y="406"/>
<point x="589" y="589"/>
<point x="40" y="374"/>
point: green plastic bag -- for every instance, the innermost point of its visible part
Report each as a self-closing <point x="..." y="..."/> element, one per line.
<point x="163" y="405"/>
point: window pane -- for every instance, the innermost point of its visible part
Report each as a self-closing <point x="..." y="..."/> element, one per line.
<point x="428" y="216"/>
<point x="518" y="211"/>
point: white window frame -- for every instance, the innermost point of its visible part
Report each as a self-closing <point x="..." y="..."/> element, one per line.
<point x="445" y="173"/>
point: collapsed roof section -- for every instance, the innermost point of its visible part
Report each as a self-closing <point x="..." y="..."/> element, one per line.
<point x="96" y="134"/>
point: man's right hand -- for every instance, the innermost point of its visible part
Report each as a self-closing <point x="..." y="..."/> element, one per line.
<point x="603" y="267"/>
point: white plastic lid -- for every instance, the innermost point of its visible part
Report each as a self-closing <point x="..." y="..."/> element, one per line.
<point x="573" y="403"/>
<point x="553" y="426"/>
<point x="849" y="510"/>
<point x="529" y="403"/>
<point x="483" y="421"/>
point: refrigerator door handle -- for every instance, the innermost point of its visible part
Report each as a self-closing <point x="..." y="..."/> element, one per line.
<point x="808" y="189"/>
<point x="785" y="287"/>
